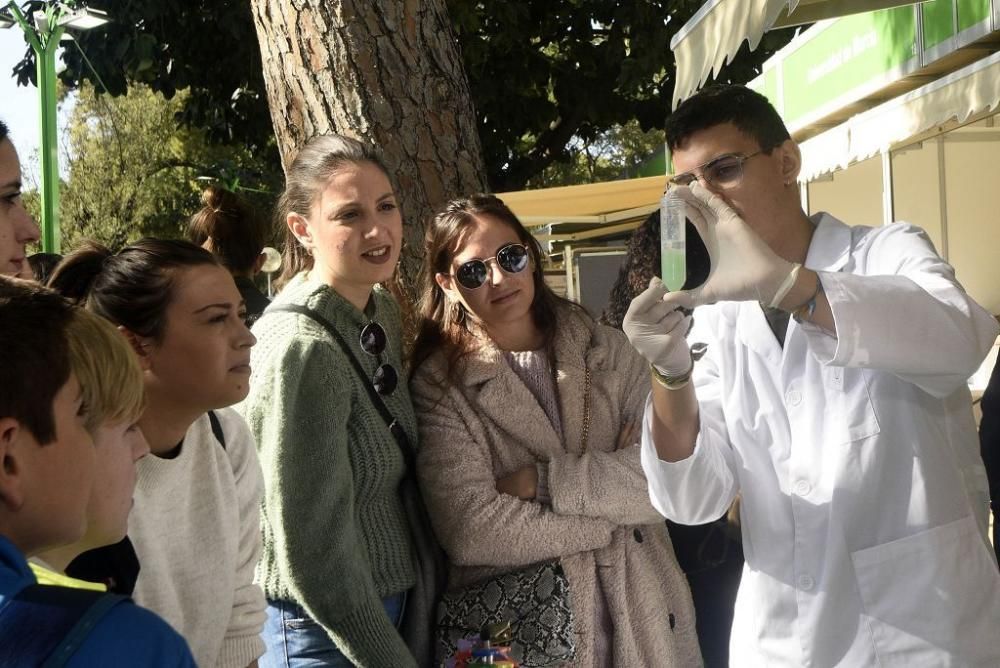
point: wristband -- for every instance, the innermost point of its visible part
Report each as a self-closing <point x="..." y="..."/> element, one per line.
<point x="671" y="382"/>
<point x="697" y="351"/>
<point x="806" y="311"/>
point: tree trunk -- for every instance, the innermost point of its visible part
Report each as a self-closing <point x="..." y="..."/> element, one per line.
<point x="387" y="71"/>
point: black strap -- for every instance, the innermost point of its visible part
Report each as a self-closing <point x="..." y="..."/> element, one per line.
<point x="397" y="429"/>
<point x="116" y="566"/>
<point x="220" y="436"/>
<point x="45" y="625"/>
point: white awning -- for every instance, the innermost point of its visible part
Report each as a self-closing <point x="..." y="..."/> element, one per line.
<point x="714" y="34"/>
<point x="971" y="90"/>
<point x="591" y="203"/>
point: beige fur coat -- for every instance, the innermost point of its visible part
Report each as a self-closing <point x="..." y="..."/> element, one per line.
<point x="600" y="523"/>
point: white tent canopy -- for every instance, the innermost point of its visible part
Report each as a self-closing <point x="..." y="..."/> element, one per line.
<point x="592" y="204"/>
<point x="971" y="90"/>
<point x="715" y="33"/>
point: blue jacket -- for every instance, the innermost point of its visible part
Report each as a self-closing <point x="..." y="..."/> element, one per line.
<point x="126" y="635"/>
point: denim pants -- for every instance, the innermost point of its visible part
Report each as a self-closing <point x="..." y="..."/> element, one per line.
<point x="295" y="640"/>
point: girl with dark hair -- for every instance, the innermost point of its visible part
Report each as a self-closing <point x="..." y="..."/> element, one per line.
<point x="231" y="230"/>
<point x="527" y="412"/>
<point x="195" y="525"/>
<point x="341" y="555"/>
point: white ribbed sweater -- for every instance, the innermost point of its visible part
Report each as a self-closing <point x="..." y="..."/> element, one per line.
<point x="196" y="529"/>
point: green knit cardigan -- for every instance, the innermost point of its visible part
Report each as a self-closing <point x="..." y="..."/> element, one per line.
<point x="334" y="528"/>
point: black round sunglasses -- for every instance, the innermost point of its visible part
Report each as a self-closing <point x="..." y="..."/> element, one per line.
<point x="511" y="258"/>
<point x="373" y="341"/>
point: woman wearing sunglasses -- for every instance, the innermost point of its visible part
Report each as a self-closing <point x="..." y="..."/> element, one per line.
<point x="528" y="452"/>
<point x="339" y="554"/>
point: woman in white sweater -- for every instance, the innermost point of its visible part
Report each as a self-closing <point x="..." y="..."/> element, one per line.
<point x="526" y="408"/>
<point x="195" y="524"/>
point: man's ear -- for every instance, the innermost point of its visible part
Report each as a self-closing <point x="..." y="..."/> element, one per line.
<point x="140" y="344"/>
<point x="12" y="443"/>
<point x="791" y="161"/>
<point x="299" y="227"/>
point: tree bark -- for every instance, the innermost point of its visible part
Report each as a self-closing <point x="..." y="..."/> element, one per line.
<point x="388" y="71"/>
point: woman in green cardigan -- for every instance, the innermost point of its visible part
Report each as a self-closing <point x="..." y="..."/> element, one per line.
<point x="340" y="555"/>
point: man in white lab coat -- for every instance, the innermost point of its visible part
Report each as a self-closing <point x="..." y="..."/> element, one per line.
<point x="847" y="429"/>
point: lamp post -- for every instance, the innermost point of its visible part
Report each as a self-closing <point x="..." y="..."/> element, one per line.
<point x="43" y="35"/>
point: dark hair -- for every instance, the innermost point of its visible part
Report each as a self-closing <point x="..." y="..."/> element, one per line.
<point x="642" y="262"/>
<point x="36" y="365"/>
<point x="42" y="265"/>
<point x="305" y="180"/>
<point x="237" y="232"/>
<point x="4" y="131"/>
<point x="132" y="287"/>
<point x="451" y="331"/>
<point x="748" y="110"/>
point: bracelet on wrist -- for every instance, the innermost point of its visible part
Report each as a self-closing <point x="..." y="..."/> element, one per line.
<point x="671" y="382"/>
<point x="697" y="351"/>
<point x="806" y="310"/>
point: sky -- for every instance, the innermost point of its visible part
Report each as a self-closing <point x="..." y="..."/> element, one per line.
<point x="19" y="106"/>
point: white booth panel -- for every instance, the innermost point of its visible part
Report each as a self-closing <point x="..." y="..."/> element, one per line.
<point x="972" y="175"/>
<point x="916" y="189"/>
<point x="854" y="195"/>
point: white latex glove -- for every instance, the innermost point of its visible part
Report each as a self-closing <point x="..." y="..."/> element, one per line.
<point x="656" y="328"/>
<point x="743" y="267"/>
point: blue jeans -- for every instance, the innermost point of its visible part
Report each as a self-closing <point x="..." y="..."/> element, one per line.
<point x="295" y="640"/>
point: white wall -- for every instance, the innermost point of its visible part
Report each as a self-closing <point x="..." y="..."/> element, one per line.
<point x="854" y="195"/>
<point x="916" y="189"/>
<point x="972" y="174"/>
<point x="968" y="232"/>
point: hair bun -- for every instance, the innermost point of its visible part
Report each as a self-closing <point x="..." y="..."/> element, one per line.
<point x="211" y="197"/>
<point x="75" y="275"/>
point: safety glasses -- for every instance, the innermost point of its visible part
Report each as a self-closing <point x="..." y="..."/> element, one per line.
<point x="373" y="341"/>
<point x="511" y="258"/>
<point x="722" y="172"/>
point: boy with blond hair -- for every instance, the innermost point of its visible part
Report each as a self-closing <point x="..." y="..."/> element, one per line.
<point x="66" y="371"/>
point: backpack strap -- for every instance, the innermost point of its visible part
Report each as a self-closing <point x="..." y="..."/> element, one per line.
<point x="220" y="436"/>
<point x="44" y="625"/>
<point x="377" y="401"/>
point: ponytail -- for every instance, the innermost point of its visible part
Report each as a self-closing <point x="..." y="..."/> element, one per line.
<point x="77" y="272"/>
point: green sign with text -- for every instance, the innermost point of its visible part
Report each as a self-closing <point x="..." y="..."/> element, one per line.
<point x="832" y="65"/>
<point x="853" y="52"/>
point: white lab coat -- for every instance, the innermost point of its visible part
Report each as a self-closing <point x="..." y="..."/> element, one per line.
<point x="864" y="499"/>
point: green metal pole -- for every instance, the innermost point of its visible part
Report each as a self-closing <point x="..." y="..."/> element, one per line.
<point x="44" y="45"/>
<point x="45" y="60"/>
